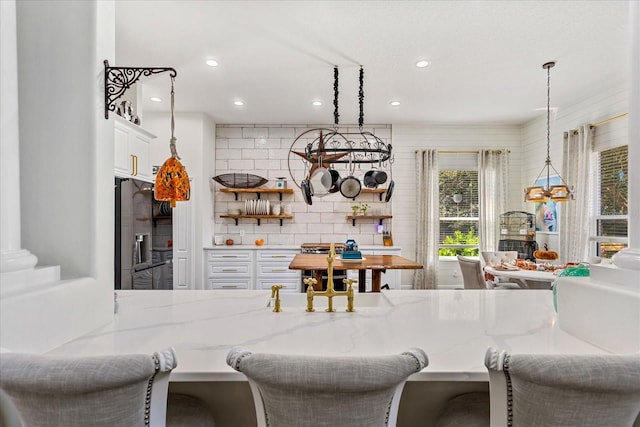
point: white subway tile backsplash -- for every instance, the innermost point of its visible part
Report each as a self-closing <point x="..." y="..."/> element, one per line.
<point x="255" y="153"/>
<point x="255" y="132"/>
<point x="227" y="132"/>
<point x="246" y="166"/>
<point x="282" y="132"/>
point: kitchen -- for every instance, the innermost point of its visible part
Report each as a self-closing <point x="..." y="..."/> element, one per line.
<point x="203" y="144"/>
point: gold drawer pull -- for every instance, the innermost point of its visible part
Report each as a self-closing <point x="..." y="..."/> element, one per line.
<point x="229" y="286"/>
<point x="277" y="270"/>
<point x="278" y="256"/>
<point x="229" y="256"/>
<point x="229" y="270"/>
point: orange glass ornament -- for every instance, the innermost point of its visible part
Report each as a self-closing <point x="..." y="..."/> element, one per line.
<point x="172" y="180"/>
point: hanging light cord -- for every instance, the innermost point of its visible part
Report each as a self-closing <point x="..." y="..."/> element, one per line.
<point x="548" y="123"/>
<point x="335" y="98"/>
<point x="361" y="99"/>
<point x="172" y="142"/>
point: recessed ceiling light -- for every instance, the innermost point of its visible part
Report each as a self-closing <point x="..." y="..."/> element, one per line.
<point x="211" y="62"/>
<point x="316" y="103"/>
<point x="238" y="103"/>
<point x="155" y="99"/>
<point x="422" y="64"/>
<point x="395" y="103"/>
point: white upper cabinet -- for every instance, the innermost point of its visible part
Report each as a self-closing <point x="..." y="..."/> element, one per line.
<point x="132" y="155"/>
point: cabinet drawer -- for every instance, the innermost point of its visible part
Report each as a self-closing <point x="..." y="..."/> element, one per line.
<point x="290" y="285"/>
<point x="276" y="256"/>
<point x="219" y="268"/>
<point x="276" y="268"/>
<point x="229" y="256"/>
<point x="229" y="283"/>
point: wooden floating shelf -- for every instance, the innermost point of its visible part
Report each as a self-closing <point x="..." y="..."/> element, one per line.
<point x="378" y="191"/>
<point x="380" y="218"/>
<point x="257" y="191"/>
<point x="257" y="217"/>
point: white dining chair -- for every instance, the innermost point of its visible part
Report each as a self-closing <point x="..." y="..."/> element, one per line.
<point x="495" y="259"/>
<point x="473" y="276"/>
<point x="113" y="390"/>
<point x="326" y="391"/>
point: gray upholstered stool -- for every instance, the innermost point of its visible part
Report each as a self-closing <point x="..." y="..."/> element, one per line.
<point x="319" y="391"/>
<point x="114" y="390"/>
<point x="532" y="390"/>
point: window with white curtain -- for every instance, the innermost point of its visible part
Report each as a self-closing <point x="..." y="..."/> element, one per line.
<point x="609" y="231"/>
<point x="459" y="216"/>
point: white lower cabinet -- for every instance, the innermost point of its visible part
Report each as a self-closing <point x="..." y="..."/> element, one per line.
<point x="251" y="269"/>
<point x="229" y="269"/>
<point x="272" y="268"/>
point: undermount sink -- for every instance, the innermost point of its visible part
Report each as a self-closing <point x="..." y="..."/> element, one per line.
<point x="299" y="300"/>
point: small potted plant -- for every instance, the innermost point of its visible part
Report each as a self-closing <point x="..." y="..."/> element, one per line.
<point x="355" y="209"/>
<point x="457" y="196"/>
<point x="363" y="208"/>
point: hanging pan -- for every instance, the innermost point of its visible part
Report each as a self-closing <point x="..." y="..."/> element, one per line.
<point x="391" y="185"/>
<point x="336" y="180"/>
<point x="350" y="186"/>
<point x="306" y="191"/>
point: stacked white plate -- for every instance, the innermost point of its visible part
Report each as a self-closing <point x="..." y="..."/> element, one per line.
<point x="257" y="207"/>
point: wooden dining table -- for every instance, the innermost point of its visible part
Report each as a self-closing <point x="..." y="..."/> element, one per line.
<point x="378" y="264"/>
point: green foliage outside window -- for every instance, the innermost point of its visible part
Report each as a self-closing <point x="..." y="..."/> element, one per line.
<point x="459" y="238"/>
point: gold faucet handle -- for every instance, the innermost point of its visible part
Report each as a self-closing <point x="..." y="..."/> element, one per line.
<point x="275" y="289"/>
<point x="310" y="281"/>
<point x="349" y="282"/>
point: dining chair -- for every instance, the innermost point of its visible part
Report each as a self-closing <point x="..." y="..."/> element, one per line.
<point x="473" y="276"/>
<point x="552" y="390"/>
<point x="495" y="259"/>
<point x="113" y="390"/>
<point x="305" y="391"/>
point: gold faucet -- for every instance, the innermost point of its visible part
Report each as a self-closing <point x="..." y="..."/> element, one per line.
<point x="330" y="292"/>
<point x="275" y="293"/>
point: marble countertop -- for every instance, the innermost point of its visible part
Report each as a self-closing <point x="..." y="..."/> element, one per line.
<point x="295" y="247"/>
<point x="454" y="327"/>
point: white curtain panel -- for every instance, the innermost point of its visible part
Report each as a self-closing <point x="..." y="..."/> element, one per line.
<point x="574" y="215"/>
<point x="493" y="172"/>
<point x="428" y="219"/>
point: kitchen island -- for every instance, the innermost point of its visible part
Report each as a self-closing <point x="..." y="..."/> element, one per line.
<point x="454" y="327"/>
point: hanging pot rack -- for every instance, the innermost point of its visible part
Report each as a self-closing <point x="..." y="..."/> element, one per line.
<point x="332" y="146"/>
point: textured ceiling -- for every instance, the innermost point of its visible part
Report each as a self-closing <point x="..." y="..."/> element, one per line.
<point x="278" y="56"/>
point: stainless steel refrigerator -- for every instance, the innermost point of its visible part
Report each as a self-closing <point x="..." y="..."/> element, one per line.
<point x="135" y="265"/>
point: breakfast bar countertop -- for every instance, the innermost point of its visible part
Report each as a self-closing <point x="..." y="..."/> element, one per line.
<point x="454" y="327"/>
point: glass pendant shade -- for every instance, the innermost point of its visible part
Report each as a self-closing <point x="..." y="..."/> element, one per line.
<point x="535" y="194"/>
<point x="172" y="182"/>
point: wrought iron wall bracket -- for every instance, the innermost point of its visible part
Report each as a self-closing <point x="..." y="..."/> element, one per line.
<point x="118" y="79"/>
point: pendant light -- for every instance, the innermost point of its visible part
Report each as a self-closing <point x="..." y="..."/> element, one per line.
<point x="172" y="180"/>
<point x="557" y="193"/>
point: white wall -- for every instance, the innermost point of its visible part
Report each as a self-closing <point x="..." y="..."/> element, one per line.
<point x="66" y="168"/>
<point x="594" y="108"/>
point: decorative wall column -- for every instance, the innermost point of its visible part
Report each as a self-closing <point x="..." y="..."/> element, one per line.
<point x="13" y="257"/>
<point x="630" y="257"/>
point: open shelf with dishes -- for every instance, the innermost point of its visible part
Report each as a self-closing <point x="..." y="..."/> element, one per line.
<point x="257" y="217"/>
<point x="257" y="191"/>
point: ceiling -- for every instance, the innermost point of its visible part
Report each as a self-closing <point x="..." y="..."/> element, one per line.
<point x="278" y="56"/>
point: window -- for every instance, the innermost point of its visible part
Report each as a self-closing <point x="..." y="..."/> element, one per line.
<point x="610" y="228"/>
<point x="458" y="212"/>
